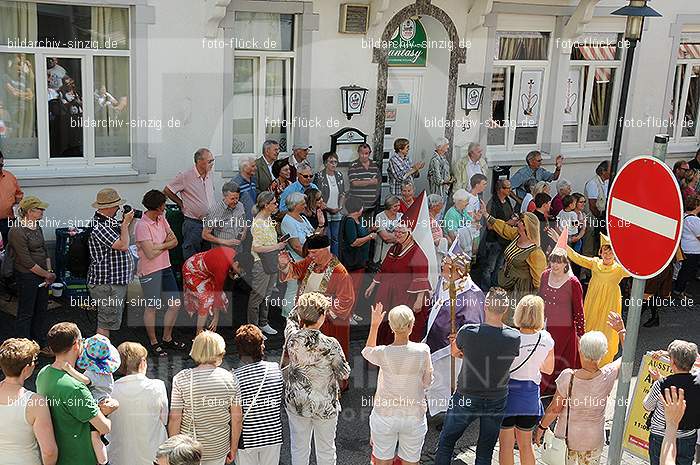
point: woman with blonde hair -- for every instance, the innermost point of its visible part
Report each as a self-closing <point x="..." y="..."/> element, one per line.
<point x="523" y="407"/>
<point x="138" y="425"/>
<point x="405" y="372"/>
<point x="581" y="397"/>
<point x="206" y="401"/>
<point x="27" y="436"/>
<point x="524" y="259"/>
<point x="563" y="311"/>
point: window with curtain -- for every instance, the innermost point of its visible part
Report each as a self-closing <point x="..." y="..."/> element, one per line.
<point x="589" y="89"/>
<point x="84" y="95"/>
<point x="685" y="99"/>
<point x="263" y="72"/>
<point x="517" y="88"/>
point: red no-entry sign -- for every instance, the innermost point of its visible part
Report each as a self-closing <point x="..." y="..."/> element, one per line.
<point x="644" y="215"/>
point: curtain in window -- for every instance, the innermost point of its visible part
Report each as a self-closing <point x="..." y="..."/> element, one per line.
<point x="691" y="106"/>
<point x="258" y="27"/>
<point x="111" y="96"/>
<point x="522" y="48"/>
<point x="109" y="26"/>
<point x="18" y="106"/>
<point x="275" y="101"/>
<point x="17" y="21"/>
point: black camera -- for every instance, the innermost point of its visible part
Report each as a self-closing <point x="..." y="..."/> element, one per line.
<point x="137" y="213"/>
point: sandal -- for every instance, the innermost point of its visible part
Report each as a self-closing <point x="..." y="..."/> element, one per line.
<point x="174" y="344"/>
<point x="157" y="350"/>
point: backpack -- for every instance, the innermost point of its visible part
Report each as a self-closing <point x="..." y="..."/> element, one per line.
<point x="79" y="254"/>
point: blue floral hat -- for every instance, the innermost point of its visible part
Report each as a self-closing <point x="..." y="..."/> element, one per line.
<point x="99" y="355"/>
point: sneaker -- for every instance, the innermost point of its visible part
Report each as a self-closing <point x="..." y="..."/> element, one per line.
<point x="267" y="329"/>
<point x="353" y="322"/>
<point x="357" y="318"/>
<point x="264" y="337"/>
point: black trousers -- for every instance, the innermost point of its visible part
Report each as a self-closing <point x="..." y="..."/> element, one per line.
<point x="687" y="272"/>
<point x="32" y="302"/>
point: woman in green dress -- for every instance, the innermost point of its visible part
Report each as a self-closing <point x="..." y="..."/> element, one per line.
<point x="524" y="259"/>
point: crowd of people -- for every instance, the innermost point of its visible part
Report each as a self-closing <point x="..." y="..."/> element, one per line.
<point x="533" y="280"/>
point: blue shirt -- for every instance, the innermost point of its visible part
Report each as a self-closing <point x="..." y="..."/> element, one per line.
<point x="248" y="194"/>
<point x="517" y="181"/>
<point x="293" y="187"/>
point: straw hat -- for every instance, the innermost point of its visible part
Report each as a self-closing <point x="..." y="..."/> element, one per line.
<point x="107" y="198"/>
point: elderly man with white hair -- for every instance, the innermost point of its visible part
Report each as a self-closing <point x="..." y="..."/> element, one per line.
<point x="588" y="389"/>
<point x="563" y="189"/>
<point x="439" y="176"/>
<point x="470" y="165"/>
<point x="304" y="176"/>
<point x="247" y="184"/>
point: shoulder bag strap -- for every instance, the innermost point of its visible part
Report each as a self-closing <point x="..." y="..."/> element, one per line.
<point x="194" y="431"/>
<point x="568" y="408"/>
<point x="262" y="383"/>
<point x="539" y="338"/>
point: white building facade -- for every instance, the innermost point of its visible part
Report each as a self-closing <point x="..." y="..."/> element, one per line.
<point x="133" y="87"/>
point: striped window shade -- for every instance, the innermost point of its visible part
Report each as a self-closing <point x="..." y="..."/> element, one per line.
<point x="689" y="51"/>
<point x="498" y="84"/>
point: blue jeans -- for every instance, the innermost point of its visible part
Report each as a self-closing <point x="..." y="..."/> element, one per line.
<point x="685" y="449"/>
<point x="332" y="231"/>
<point x="191" y="237"/>
<point x="463" y="410"/>
<point x="492" y="262"/>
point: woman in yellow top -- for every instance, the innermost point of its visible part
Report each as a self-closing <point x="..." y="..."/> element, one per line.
<point x="524" y="259"/>
<point x="603" y="295"/>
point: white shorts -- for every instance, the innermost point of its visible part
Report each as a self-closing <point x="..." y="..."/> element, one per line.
<point x="408" y="431"/>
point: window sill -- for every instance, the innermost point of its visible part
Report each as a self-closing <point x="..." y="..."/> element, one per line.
<point x="499" y="156"/>
<point x="57" y="176"/>
<point x="682" y="148"/>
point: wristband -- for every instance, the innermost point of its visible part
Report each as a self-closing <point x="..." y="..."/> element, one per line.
<point x="540" y="427"/>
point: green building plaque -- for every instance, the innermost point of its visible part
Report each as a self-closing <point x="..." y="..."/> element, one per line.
<point x="408" y="45"/>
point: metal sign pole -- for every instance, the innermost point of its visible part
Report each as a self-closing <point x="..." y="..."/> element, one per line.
<point x="630" y="346"/>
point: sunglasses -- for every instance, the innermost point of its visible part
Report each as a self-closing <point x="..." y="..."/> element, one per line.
<point x="305" y="176"/>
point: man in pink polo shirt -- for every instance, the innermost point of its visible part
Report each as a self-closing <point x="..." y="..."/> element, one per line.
<point x="193" y="192"/>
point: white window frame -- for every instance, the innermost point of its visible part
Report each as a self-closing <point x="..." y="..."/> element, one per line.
<point x="518" y="67"/>
<point x="681" y="100"/>
<point x="260" y="59"/>
<point x="89" y="158"/>
<point x="585" y="112"/>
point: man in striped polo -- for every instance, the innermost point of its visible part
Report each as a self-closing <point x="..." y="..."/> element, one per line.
<point x="365" y="179"/>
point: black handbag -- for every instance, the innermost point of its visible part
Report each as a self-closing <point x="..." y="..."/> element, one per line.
<point x="269" y="261"/>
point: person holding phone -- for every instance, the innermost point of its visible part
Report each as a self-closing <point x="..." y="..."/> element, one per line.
<point x="264" y="243"/>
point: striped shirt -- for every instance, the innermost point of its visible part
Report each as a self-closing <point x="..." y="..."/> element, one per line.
<point x="654" y="401"/>
<point x="263" y="420"/>
<point x="248" y="193"/>
<point x="205" y="395"/>
<point x="225" y="223"/>
<point x="357" y="172"/>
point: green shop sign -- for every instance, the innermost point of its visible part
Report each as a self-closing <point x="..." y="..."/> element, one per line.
<point x="408" y="45"/>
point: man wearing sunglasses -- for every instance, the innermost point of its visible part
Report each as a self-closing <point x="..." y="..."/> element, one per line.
<point x="533" y="170"/>
<point x="303" y="182"/>
<point x="193" y="192"/>
<point x="300" y="152"/>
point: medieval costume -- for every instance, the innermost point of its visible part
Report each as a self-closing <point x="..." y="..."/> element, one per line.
<point x="403" y="275"/>
<point x="523" y="266"/>
<point x="332" y="280"/>
<point x="603" y="295"/>
<point x="469" y="308"/>
<point x="563" y="313"/>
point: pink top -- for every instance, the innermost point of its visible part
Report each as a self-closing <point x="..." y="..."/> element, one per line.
<point x="588" y="400"/>
<point x="197" y="193"/>
<point x="154" y="231"/>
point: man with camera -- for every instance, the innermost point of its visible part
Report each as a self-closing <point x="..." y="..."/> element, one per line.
<point x="111" y="265"/>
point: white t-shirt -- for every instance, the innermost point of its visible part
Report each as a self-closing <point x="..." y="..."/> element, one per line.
<point x="332" y="192"/>
<point x="526" y="201"/>
<point x="690" y="243"/>
<point x="530" y="371"/>
<point x="569" y="219"/>
<point x="591" y="188"/>
<point x="474" y="206"/>
<point x="383" y="223"/>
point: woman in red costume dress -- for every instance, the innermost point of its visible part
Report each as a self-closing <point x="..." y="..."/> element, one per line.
<point x="563" y="312"/>
<point x="403" y="280"/>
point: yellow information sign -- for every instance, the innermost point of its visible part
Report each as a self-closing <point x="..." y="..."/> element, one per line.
<point x="636" y="438"/>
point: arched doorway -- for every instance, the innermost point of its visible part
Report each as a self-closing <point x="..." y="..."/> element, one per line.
<point x="380" y="56"/>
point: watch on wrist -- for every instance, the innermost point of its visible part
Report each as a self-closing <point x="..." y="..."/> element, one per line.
<point x="539" y="426"/>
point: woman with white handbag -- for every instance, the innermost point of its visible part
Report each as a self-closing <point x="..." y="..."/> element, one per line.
<point x="579" y="403"/>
